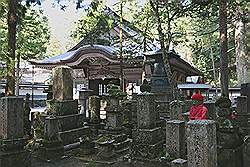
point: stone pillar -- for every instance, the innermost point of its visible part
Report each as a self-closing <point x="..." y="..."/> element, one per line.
<point x="246" y="152"/>
<point x="201" y="143"/>
<point x="62" y="83"/>
<point x="175" y="110"/>
<point x="83" y="97"/>
<point x="179" y="163"/>
<point x="11" y="133"/>
<point x="11" y="117"/>
<point x="245" y="91"/>
<point x="146" y="113"/>
<point x="175" y="138"/>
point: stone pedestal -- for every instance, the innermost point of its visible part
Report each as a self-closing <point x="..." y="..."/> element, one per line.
<point x="175" y="138"/>
<point x="52" y="144"/>
<point x="179" y="163"/>
<point x="146" y="113"/>
<point x="11" y="133"/>
<point x="60" y="108"/>
<point x="201" y="143"/>
<point x="62" y="83"/>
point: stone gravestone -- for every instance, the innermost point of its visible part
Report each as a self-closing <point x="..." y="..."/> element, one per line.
<point x="62" y="102"/>
<point x="11" y="133"/>
<point x="146" y="115"/>
<point x="201" y="143"/>
<point x="175" y="138"/>
<point x="147" y="137"/>
<point x="246" y="152"/>
<point x="210" y="104"/>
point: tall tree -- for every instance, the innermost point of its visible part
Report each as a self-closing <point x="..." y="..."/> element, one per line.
<point x="223" y="47"/>
<point x="240" y="44"/>
<point x="12" y="22"/>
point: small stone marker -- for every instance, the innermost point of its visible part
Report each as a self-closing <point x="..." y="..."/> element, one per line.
<point x="179" y="163"/>
<point x="11" y="117"/>
<point x="62" y="83"/>
<point x="146" y="114"/>
<point x="201" y="143"/>
<point x="175" y="138"/>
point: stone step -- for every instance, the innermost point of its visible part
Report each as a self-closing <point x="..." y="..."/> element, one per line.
<point x="72" y="136"/>
<point x="122" y="145"/>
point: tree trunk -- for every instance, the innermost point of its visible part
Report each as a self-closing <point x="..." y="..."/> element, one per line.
<point x="12" y="22"/>
<point x="223" y="47"/>
<point x="163" y="48"/>
<point x="240" y="47"/>
<point x="121" y="57"/>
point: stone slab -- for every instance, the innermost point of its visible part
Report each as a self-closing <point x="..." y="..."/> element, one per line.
<point x="62" y="108"/>
<point x="15" y="158"/>
<point x="72" y="136"/>
<point x="175" y="138"/>
<point x="11" y="117"/>
<point x="148" y="151"/>
<point x="179" y="163"/>
<point x="201" y="143"/>
<point x="69" y="122"/>
<point x="51" y="153"/>
<point x="147" y="136"/>
<point x="146" y="113"/>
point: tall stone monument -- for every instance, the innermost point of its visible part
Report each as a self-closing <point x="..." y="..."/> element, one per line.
<point x="147" y="137"/>
<point x="12" y="142"/>
<point x="201" y="143"/>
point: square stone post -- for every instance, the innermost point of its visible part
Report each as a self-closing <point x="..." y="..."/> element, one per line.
<point x="201" y="143"/>
<point x="12" y="143"/>
<point x="11" y="117"/>
<point x="83" y="97"/>
<point x="175" y="138"/>
<point x="146" y="113"/>
<point x="241" y="104"/>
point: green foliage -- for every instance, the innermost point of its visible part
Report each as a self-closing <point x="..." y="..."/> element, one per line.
<point x="115" y="91"/>
<point x="94" y="24"/>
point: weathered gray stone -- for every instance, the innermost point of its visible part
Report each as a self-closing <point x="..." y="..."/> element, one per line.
<point x="70" y="121"/>
<point x="94" y="108"/>
<point x="179" y="163"/>
<point x="241" y="104"/>
<point x="83" y="99"/>
<point x="230" y="157"/>
<point x="201" y="143"/>
<point x="65" y="107"/>
<point x="246" y="152"/>
<point x="175" y="110"/>
<point x="175" y="138"/>
<point x="114" y="120"/>
<point x="62" y="83"/>
<point x="146" y="113"/>
<point x="245" y="91"/>
<point x="11" y="117"/>
<point x="51" y="128"/>
<point x="147" y="136"/>
<point x="20" y="158"/>
<point x="210" y="104"/>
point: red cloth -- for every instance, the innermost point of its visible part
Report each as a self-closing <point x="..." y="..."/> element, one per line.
<point x="198" y="112"/>
<point x="197" y="97"/>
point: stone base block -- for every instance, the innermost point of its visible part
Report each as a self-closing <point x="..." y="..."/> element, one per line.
<point x="13" y="144"/>
<point x="52" y="152"/>
<point x="230" y="157"/>
<point x="72" y="136"/>
<point x="15" y="158"/>
<point x="147" y="151"/>
<point x="114" y="119"/>
<point x="70" y="121"/>
<point x="65" y="107"/>
<point x="147" y="136"/>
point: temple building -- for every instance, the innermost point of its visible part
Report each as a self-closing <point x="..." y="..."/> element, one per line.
<point x="98" y="65"/>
